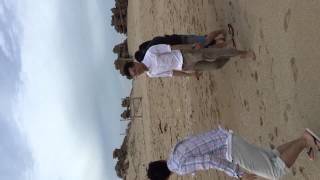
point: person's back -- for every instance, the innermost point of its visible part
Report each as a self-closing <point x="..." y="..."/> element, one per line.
<point x="161" y="60"/>
<point x="173" y="39"/>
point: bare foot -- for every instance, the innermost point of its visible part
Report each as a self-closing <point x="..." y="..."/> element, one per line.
<point x="248" y="176"/>
<point x="309" y="139"/>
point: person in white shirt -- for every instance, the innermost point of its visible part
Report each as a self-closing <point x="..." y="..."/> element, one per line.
<point x="165" y="61"/>
<point x="215" y="38"/>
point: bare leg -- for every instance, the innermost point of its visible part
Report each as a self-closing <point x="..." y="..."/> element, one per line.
<point x="193" y="57"/>
<point x="285" y="146"/>
<point x="205" y="66"/>
<point x="289" y="152"/>
<point x="212" y="54"/>
<point x="247" y="54"/>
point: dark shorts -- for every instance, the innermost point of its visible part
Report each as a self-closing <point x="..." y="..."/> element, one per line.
<point x="191" y="39"/>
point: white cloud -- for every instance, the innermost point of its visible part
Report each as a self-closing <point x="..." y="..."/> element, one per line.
<point x="2" y="11"/>
<point x="3" y="45"/>
<point x="52" y="126"/>
<point x="69" y="103"/>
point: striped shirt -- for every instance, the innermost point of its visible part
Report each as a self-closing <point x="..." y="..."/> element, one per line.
<point x="210" y="150"/>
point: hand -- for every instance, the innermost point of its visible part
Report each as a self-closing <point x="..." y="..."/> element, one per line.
<point x="197" y="46"/>
<point x="248" y="176"/>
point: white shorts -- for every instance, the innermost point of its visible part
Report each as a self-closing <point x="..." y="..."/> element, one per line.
<point x="264" y="163"/>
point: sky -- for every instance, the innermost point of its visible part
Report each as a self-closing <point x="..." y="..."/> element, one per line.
<point x="60" y="95"/>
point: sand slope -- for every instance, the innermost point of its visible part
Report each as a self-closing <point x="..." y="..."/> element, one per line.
<point x="267" y="101"/>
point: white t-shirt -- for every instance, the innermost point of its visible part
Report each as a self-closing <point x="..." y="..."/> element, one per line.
<point x="161" y="60"/>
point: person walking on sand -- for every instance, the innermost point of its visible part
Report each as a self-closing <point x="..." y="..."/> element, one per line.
<point x="222" y="150"/>
<point x="166" y="61"/>
<point x="215" y="38"/>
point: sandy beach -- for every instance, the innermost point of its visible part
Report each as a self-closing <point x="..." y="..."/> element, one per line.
<point x="268" y="101"/>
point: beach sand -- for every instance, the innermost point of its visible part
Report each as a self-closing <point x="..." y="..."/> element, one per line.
<point x="268" y="101"/>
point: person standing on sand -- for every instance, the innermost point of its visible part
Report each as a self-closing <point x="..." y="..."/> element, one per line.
<point x="166" y="61"/>
<point x="222" y="150"/>
<point x="214" y="38"/>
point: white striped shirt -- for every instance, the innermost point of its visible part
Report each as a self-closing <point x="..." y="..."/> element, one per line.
<point x="210" y="150"/>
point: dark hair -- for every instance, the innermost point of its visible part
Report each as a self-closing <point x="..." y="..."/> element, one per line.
<point x="126" y="69"/>
<point x="138" y="56"/>
<point x="158" y="170"/>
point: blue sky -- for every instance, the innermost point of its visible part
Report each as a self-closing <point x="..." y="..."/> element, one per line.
<point x="60" y="94"/>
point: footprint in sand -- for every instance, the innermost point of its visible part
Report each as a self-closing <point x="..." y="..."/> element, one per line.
<point x="262" y="106"/>
<point x="218" y="113"/>
<point x="272" y="146"/>
<point x="240" y="72"/>
<point x="285" y="113"/>
<point x="285" y="116"/>
<point x="255" y="76"/>
<point x="261" y="121"/>
<point x="271" y="137"/>
<point x="165" y="127"/>
<point x="160" y="128"/>
<point x="230" y="4"/>
<point x="294" y="69"/>
<point x="267" y="50"/>
<point x="301" y="170"/>
<point x="259" y="93"/>
<point x="276" y="131"/>
<point x="294" y="171"/>
<point x="287" y="18"/>
<point x="261" y="34"/>
<point x="246" y="105"/>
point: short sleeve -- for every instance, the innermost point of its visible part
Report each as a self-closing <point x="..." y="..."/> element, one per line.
<point x="163" y="74"/>
<point x="160" y="49"/>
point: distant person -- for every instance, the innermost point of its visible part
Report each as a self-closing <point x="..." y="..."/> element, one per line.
<point x="213" y="38"/>
<point x="166" y="61"/>
<point x="222" y="150"/>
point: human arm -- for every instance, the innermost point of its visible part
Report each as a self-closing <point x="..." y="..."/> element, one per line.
<point x="196" y="74"/>
<point x="182" y="73"/>
<point x="248" y="176"/>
